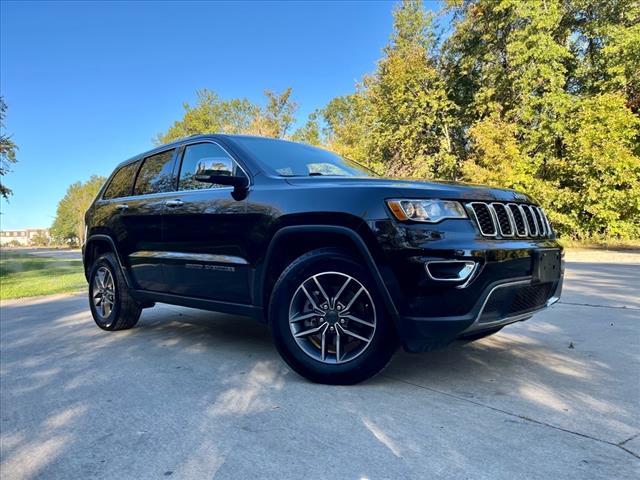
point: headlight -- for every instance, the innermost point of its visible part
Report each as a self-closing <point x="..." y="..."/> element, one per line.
<point x="430" y="211"/>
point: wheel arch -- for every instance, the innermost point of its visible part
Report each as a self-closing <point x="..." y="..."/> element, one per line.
<point x="96" y="245"/>
<point x="289" y="242"/>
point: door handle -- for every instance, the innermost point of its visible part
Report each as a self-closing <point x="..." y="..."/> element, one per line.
<point x="174" y="203"/>
<point x="122" y="207"/>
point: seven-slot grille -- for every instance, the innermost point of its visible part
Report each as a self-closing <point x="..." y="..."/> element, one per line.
<point x="509" y="220"/>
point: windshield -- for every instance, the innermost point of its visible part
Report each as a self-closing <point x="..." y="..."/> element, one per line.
<point x="290" y="159"/>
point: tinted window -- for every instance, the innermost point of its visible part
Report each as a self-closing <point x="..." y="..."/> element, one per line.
<point x="122" y="182"/>
<point x="156" y="174"/>
<point x="192" y="155"/>
<point x="290" y="159"/>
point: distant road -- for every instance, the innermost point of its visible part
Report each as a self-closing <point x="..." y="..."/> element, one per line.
<point x="74" y="254"/>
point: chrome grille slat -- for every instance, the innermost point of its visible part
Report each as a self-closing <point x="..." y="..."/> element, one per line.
<point x="542" y="228"/>
<point x="508" y="220"/>
<point x="484" y="219"/>
<point x="503" y="219"/>
<point x="546" y="221"/>
<point x="518" y="219"/>
<point x="531" y="221"/>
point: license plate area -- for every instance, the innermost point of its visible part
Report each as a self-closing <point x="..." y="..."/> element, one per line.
<point x="546" y="265"/>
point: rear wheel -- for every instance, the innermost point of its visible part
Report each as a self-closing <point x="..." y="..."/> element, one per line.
<point x="112" y="306"/>
<point x="328" y="321"/>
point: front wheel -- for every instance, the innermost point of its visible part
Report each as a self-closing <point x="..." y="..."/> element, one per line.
<point x="328" y="321"/>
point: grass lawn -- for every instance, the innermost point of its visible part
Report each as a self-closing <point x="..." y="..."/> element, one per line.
<point x="23" y="275"/>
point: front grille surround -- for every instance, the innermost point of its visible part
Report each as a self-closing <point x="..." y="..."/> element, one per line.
<point x="509" y="220"/>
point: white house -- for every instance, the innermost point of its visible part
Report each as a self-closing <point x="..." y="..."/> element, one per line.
<point x="23" y="237"/>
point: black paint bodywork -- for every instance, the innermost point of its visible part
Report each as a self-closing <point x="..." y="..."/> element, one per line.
<point x="271" y="217"/>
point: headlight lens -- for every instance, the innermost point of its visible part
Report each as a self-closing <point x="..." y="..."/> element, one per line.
<point x="430" y="211"/>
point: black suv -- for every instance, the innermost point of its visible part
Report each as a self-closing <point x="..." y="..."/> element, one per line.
<point x="343" y="265"/>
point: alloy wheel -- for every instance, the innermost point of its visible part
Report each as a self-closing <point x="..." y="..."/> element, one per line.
<point x="104" y="292"/>
<point x="332" y="317"/>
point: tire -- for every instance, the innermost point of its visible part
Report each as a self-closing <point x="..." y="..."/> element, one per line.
<point x="112" y="309"/>
<point x="338" y="361"/>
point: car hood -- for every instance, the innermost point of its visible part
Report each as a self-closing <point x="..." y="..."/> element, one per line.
<point x="390" y="188"/>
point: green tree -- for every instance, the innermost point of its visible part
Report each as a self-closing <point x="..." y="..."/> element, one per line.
<point x="7" y="151"/>
<point x="345" y="129"/>
<point x="496" y="155"/>
<point x="40" y="239"/>
<point x="276" y="118"/>
<point x="598" y="183"/>
<point x="605" y="42"/>
<point x="409" y="115"/>
<point x="68" y="226"/>
<point x="400" y="120"/>
<point x="310" y="132"/>
<point x="211" y="114"/>
<point x="534" y="83"/>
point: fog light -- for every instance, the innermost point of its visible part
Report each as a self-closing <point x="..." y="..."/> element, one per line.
<point x="450" y="270"/>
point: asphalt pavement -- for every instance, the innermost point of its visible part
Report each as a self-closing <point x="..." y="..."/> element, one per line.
<point x="62" y="254"/>
<point x="190" y="394"/>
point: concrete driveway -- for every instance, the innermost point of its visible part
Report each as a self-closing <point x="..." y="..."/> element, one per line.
<point x="191" y="394"/>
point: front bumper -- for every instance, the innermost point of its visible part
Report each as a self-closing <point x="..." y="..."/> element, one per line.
<point x="501" y="303"/>
<point x="504" y="287"/>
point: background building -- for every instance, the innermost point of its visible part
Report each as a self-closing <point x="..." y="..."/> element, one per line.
<point x="25" y="238"/>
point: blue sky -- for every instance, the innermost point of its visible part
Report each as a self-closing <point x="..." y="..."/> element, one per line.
<point x="90" y="84"/>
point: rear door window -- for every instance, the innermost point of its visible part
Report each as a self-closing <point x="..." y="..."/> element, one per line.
<point x="156" y="174"/>
<point x="122" y="182"/>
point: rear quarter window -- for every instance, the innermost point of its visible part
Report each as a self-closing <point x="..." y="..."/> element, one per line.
<point x="121" y="183"/>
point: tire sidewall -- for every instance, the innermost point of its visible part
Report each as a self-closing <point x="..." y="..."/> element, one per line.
<point x="106" y="261"/>
<point x="367" y="364"/>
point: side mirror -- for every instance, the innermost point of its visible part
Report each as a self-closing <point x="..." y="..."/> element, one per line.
<point x="219" y="170"/>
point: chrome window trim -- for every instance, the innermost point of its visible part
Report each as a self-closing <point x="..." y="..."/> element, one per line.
<point x="175" y="147"/>
<point x="194" y="257"/>
<point x="491" y="213"/>
<point x="141" y="160"/>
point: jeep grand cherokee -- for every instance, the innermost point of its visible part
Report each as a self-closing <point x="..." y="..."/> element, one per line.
<point x="342" y="264"/>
